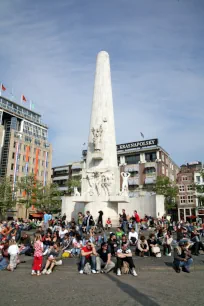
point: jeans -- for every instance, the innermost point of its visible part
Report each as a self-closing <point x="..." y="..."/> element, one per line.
<point x="101" y="264"/>
<point x="124" y="226"/>
<point x="76" y="251"/>
<point x="24" y="250"/>
<point x="127" y="259"/>
<point x="136" y="226"/>
<point x="185" y="264"/>
<point x="91" y="259"/>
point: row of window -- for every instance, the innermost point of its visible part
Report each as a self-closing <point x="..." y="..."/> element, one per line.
<point x="22" y="147"/>
<point x="135" y="159"/>
<point x="40" y="162"/>
<point x="186" y="199"/>
<point x="183" y="188"/>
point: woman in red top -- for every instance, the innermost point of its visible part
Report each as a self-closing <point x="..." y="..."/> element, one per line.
<point x="38" y="255"/>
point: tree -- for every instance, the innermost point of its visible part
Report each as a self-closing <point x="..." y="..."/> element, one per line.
<point x="6" y="195"/>
<point x="31" y="191"/>
<point x="71" y="183"/>
<point x="168" y="189"/>
<point x="51" y="197"/>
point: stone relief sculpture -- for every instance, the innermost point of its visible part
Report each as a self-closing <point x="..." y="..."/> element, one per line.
<point x="97" y="136"/>
<point x="97" y="177"/>
<point x="76" y="192"/>
<point x="125" y="176"/>
<point x="107" y="181"/>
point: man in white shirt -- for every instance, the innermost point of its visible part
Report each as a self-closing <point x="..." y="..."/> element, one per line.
<point x="133" y="237"/>
<point x="125" y="254"/>
<point x="62" y="232"/>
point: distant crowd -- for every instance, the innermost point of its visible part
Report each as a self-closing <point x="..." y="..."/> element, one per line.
<point x="98" y="246"/>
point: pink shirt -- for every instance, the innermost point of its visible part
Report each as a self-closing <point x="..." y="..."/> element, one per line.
<point x="38" y="247"/>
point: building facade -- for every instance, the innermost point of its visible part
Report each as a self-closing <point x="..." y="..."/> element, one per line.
<point x="24" y="147"/>
<point x="144" y="160"/>
<point x="199" y="181"/>
<point x="187" y="201"/>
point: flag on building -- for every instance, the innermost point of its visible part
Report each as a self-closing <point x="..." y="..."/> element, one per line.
<point x="23" y="98"/>
<point x="3" y="88"/>
<point x="142" y="134"/>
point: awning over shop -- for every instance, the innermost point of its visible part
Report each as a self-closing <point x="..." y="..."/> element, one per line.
<point x="37" y="215"/>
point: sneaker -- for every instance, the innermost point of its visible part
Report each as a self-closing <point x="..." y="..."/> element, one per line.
<point x="38" y="273"/>
<point x="118" y="272"/>
<point x="168" y="254"/>
<point x="81" y="272"/>
<point x="93" y="271"/>
<point x="134" y="273"/>
<point x="44" y="271"/>
<point x="98" y="272"/>
<point x="33" y="273"/>
<point x="48" y="272"/>
<point x="185" y="269"/>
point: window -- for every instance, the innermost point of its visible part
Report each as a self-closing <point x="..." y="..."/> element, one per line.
<point x="134" y="173"/>
<point x="14" y="144"/>
<point x="182" y="199"/>
<point x="162" y="155"/>
<point x="150" y="157"/>
<point x="197" y="179"/>
<point x="13" y="155"/>
<point x="184" y="178"/>
<point x="42" y="163"/>
<point x="150" y="170"/>
<point x="11" y="178"/>
<point x="188" y="212"/>
<point x="167" y="172"/>
<point x="12" y="166"/>
<point x="181" y="188"/>
<point x="133" y="159"/>
<point x="189" y="187"/>
<point x="190" y="199"/>
<point x="162" y="169"/>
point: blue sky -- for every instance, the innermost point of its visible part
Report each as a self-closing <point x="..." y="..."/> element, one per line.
<point x="48" y="52"/>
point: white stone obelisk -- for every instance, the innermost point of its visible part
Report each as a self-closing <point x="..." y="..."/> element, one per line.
<point x="102" y="117"/>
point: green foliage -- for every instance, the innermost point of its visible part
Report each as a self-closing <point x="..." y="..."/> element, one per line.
<point x="31" y="191"/>
<point x="71" y="183"/>
<point x="168" y="189"/>
<point x="51" y="199"/>
<point x="6" y="195"/>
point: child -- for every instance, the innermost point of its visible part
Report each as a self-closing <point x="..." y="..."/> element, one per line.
<point x="108" y="223"/>
<point x="38" y="255"/>
<point x="13" y="251"/>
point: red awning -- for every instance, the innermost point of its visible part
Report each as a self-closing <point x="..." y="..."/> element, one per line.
<point x="38" y="215"/>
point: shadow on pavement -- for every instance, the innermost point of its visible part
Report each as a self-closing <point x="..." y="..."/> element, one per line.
<point x="133" y="293"/>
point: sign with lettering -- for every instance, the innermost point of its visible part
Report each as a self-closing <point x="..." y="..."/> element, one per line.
<point x="138" y="144"/>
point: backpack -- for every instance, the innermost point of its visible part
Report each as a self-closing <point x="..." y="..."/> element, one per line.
<point x="87" y="268"/>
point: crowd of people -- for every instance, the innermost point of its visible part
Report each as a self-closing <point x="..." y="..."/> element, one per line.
<point x="99" y="247"/>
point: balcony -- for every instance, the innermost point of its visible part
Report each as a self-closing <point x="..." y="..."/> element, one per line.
<point x="150" y="164"/>
<point x="150" y="179"/>
<point x="132" y="168"/>
<point x="133" y="181"/>
<point x="60" y="178"/>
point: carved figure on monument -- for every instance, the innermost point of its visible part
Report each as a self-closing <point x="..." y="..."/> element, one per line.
<point x="97" y="177"/>
<point x="107" y="180"/>
<point x="76" y="192"/>
<point x="91" y="181"/>
<point x="97" y="135"/>
<point x="125" y="176"/>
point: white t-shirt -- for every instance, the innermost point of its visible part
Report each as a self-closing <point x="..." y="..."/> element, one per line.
<point x="62" y="233"/>
<point x="76" y="244"/>
<point x="13" y="249"/>
<point x="131" y="234"/>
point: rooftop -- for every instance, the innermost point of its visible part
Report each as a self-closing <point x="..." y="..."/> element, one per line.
<point x="20" y="111"/>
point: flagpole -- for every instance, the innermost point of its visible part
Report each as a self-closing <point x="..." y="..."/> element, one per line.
<point x="0" y="89"/>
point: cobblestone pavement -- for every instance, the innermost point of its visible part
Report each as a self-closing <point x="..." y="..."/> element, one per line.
<point x="153" y="286"/>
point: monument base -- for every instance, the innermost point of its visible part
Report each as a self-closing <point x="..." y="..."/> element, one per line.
<point x="152" y="205"/>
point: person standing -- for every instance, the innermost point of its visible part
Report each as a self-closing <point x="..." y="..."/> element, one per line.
<point x="137" y="220"/>
<point x="38" y="255"/>
<point x="89" y="221"/>
<point x="124" y="221"/>
<point x="13" y="251"/>
<point x="46" y="219"/>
